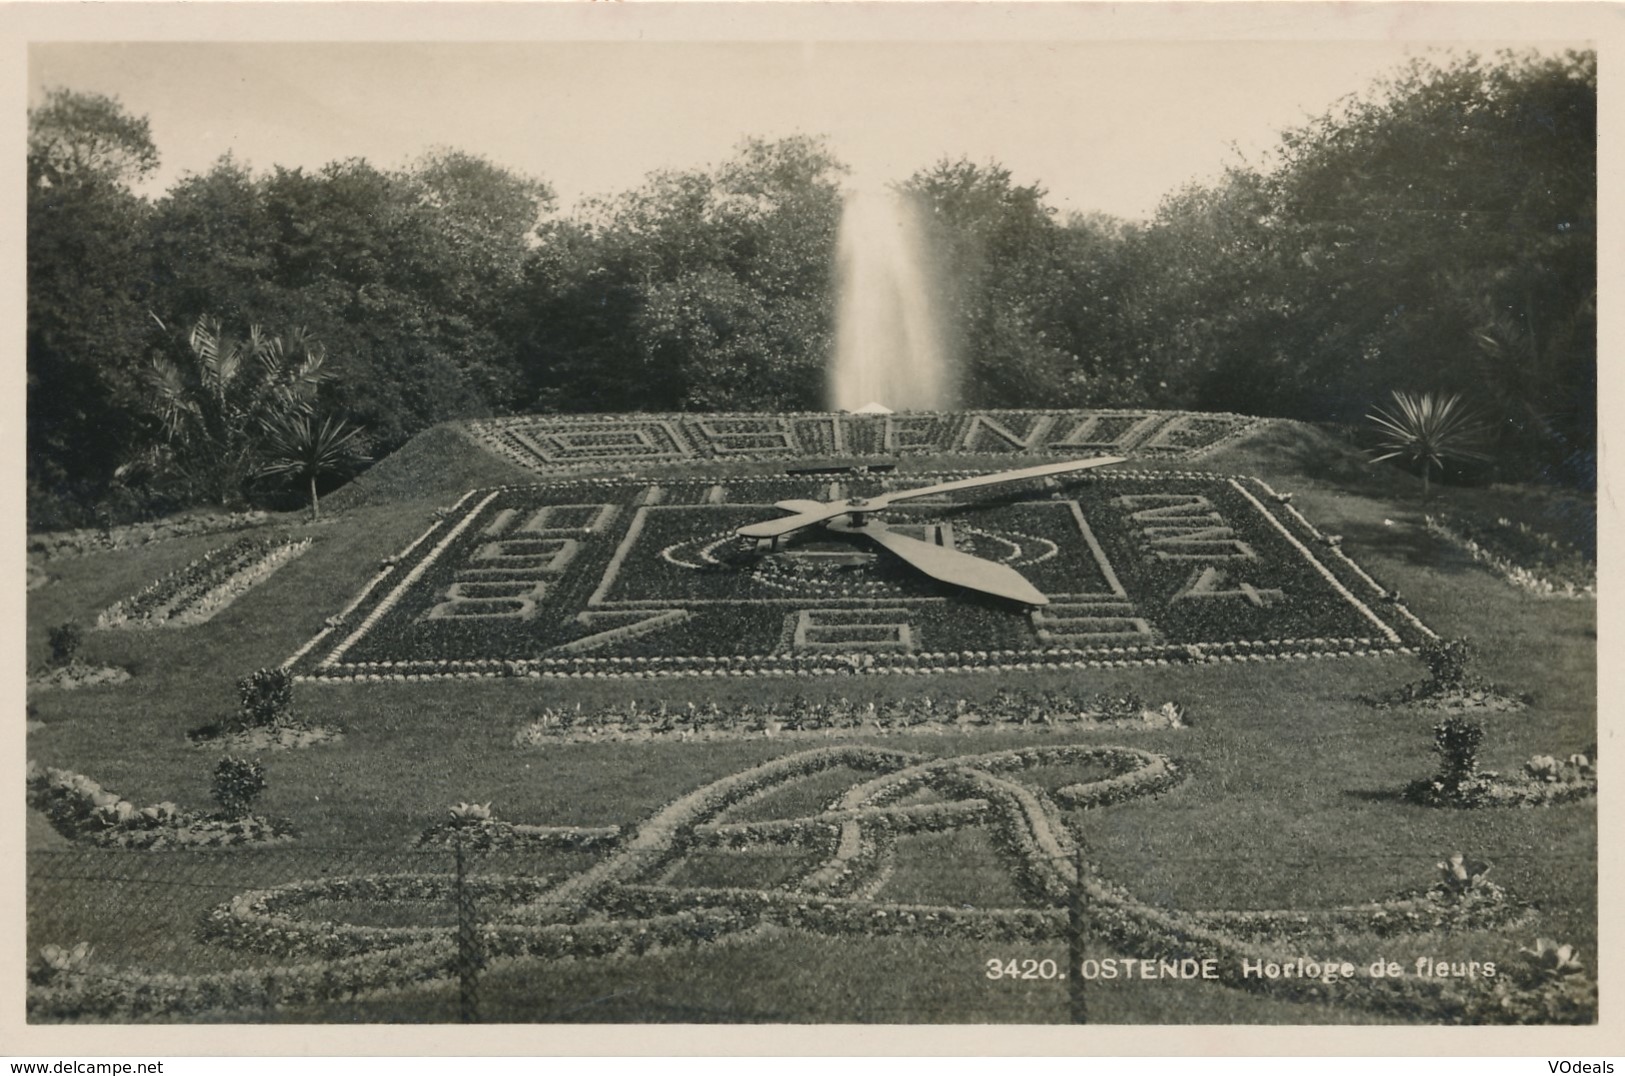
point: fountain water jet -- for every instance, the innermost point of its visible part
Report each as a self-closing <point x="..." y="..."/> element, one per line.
<point x="888" y="341"/>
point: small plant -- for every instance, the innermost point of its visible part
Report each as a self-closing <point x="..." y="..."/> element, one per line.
<point x="1447" y="661"/>
<point x="1428" y="431"/>
<point x="297" y="448"/>
<point x="1169" y="715"/>
<point x="1459" y="875"/>
<point x="1546" y="769"/>
<point x="1457" y="740"/>
<point x="265" y="699"/>
<point x="237" y="783"/>
<point x="470" y="814"/>
<point x="1550" y="960"/>
<point x="56" y="962"/>
<point x="1458" y="782"/>
<point x="1551" y="986"/>
<point x="1450" y="683"/>
<point x="65" y="640"/>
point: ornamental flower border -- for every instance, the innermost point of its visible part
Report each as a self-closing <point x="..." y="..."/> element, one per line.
<point x="1400" y="632"/>
<point x="195" y="593"/>
<point x="1543" y="781"/>
<point x="82" y="810"/>
<point x="52" y="544"/>
<point x="693" y="437"/>
<point x="566" y="918"/>
<point x="1526" y="579"/>
<point x="1006" y="711"/>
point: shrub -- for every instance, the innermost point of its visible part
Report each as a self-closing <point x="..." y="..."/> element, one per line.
<point x="1457" y="740"/>
<point x="1447" y="661"/>
<point x="237" y="783"/>
<point x="64" y="641"/>
<point x="265" y="698"/>
<point x="1449" y="685"/>
<point x="1458" y="782"/>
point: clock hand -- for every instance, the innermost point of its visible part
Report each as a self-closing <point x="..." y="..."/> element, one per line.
<point x="809" y="512"/>
<point x="997" y="478"/>
<point x="949" y="565"/>
<point x="773" y="528"/>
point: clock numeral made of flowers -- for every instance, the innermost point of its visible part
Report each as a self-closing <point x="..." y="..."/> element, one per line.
<point x="620" y="577"/>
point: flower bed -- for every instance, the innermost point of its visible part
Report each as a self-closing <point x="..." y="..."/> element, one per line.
<point x="254" y="740"/>
<point x="617" y="578"/>
<point x="621" y="907"/>
<point x="473" y="827"/>
<point x="82" y="810"/>
<point x="94" y="540"/>
<point x="1524" y="557"/>
<point x="799" y="718"/>
<point x="195" y="593"/>
<point x="1450" y="686"/>
<point x="1544" y="781"/>
<point x="560" y="444"/>
<point x="77" y="675"/>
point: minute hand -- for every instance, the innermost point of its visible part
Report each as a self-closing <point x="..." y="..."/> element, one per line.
<point x="999" y="478"/>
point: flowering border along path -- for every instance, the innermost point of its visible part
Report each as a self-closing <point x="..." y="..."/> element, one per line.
<point x="626" y="903"/>
<point x="554" y="444"/>
<point x="195" y="593"/>
<point x="628" y="578"/>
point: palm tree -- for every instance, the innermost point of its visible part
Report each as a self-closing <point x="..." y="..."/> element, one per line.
<point x="1428" y="431"/>
<point x="212" y="398"/>
<point x="297" y="448"/>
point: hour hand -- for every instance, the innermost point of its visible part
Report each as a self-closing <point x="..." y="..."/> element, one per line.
<point x="949" y="565"/>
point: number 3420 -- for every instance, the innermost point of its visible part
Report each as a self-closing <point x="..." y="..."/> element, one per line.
<point x="1023" y="969"/>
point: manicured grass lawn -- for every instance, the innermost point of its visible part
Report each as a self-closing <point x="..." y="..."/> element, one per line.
<point x="782" y="977"/>
<point x="1290" y="799"/>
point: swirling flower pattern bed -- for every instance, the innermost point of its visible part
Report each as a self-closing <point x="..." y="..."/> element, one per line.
<point x="554" y="444"/>
<point x="627" y="902"/>
<point x="612" y="577"/>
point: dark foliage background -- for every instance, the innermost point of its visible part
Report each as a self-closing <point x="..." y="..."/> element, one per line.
<point x="1437" y="233"/>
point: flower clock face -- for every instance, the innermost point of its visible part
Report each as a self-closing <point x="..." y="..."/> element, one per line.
<point x="601" y="577"/>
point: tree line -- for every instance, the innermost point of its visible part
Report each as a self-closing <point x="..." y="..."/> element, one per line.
<point x="1434" y="233"/>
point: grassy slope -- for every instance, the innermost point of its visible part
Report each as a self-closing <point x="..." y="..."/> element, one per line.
<point x="1290" y="798"/>
<point x="444" y="460"/>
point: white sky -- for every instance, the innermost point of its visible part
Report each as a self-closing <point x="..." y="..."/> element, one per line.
<point x="1103" y="126"/>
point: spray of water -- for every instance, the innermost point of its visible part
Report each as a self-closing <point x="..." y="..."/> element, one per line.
<point x="888" y="341"/>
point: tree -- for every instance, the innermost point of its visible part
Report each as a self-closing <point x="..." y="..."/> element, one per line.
<point x="359" y="249"/>
<point x="86" y="290"/>
<point x="1440" y="226"/>
<point x="78" y="138"/>
<point x="481" y="221"/>
<point x="295" y="447"/>
<point x="485" y="216"/>
<point x="213" y="396"/>
<point x="1448" y="218"/>
<point x="1007" y="286"/>
<point x="1428" y="431"/>
<point x="212" y="244"/>
<point x="705" y="289"/>
<point x="1210" y="325"/>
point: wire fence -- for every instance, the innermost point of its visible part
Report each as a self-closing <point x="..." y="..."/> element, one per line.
<point x="149" y="913"/>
